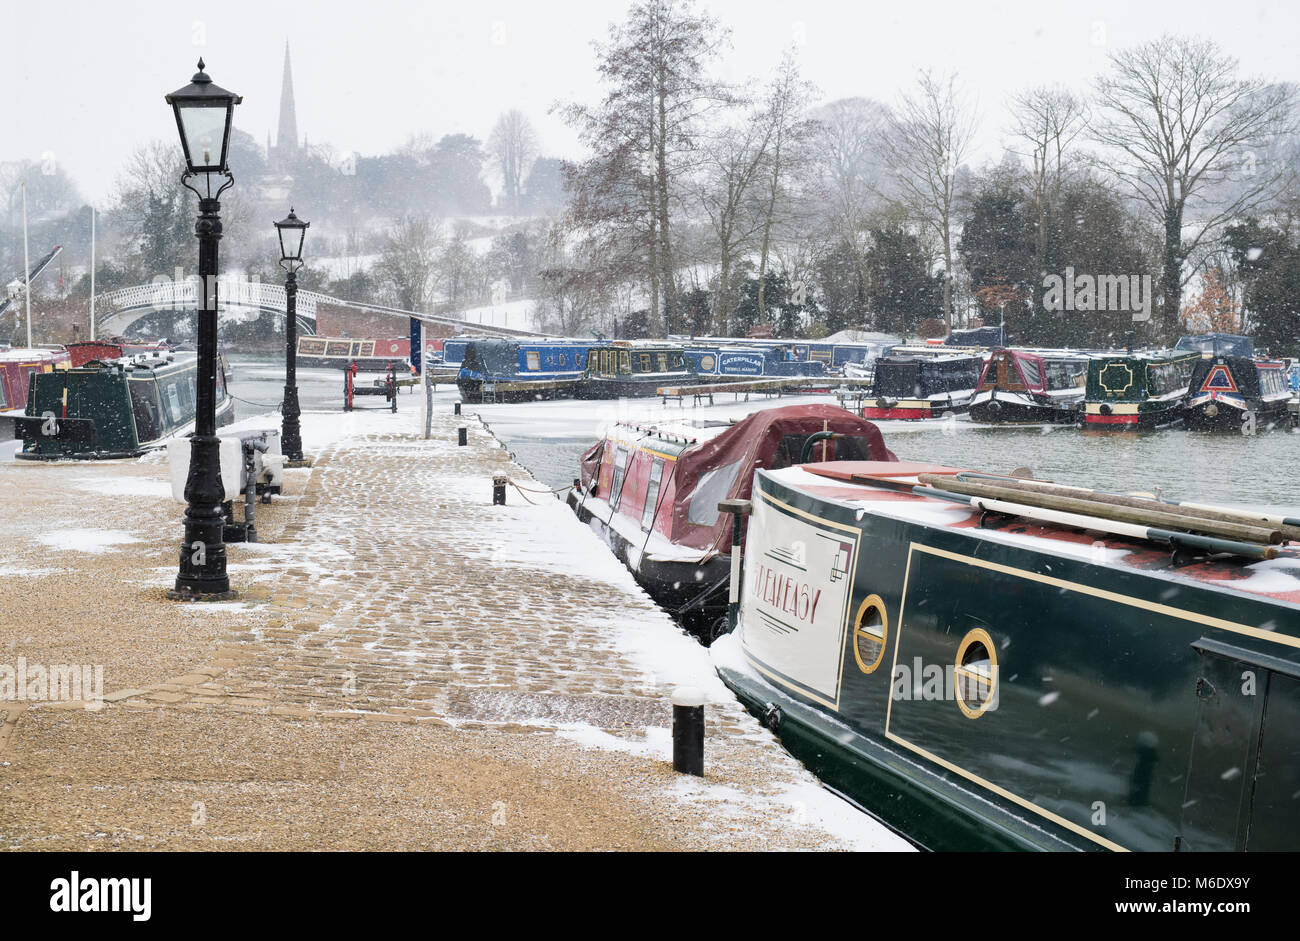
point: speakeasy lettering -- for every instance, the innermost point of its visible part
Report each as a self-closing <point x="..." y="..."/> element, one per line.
<point x="786" y="594"/>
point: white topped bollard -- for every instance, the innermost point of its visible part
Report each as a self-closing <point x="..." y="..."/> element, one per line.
<point x="688" y="730"/>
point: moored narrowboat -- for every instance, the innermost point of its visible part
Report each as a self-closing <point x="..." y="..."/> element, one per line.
<point x="915" y="384"/>
<point x="1031" y="387"/>
<point x="497" y="370"/>
<point x="984" y="673"/>
<point x="115" y="409"/>
<point x="632" y="369"/>
<point x="750" y="361"/>
<point x="1236" y="393"/>
<point x="1137" y="391"/>
<point x="17" y="366"/>
<point x="652" y="492"/>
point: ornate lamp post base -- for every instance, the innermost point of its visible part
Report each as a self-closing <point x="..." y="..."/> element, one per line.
<point x="174" y="594"/>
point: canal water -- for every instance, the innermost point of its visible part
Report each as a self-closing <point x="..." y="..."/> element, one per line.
<point x="549" y="437"/>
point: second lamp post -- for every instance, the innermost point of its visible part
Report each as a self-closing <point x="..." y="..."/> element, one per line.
<point x="292" y="231"/>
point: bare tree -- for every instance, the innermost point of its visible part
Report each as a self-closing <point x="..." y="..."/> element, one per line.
<point x="513" y="146"/>
<point x="734" y="163"/>
<point x="786" y="126"/>
<point x="846" y="164"/>
<point x="1048" y="119"/>
<point x="408" y="261"/>
<point x="927" y="140"/>
<point x="1184" y="133"/>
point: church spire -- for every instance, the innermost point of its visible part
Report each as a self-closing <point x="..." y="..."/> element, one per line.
<point x="286" y="141"/>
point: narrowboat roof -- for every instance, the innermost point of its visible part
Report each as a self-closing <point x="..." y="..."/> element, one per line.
<point x="1218" y="344"/>
<point x="917" y="355"/>
<point x="20" y="354"/>
<point x="139" y="363"/>
<point x="884" y="489"/>
<point x="1163" y="356"/>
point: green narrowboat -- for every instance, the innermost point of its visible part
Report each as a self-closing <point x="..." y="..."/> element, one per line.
<point x="115" y="408"/>
<point x="1137" y="391"/>
<point x="984" y="673"/>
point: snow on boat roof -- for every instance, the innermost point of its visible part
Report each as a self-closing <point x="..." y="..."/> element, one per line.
<point x="19" y="354"/>
<point x="1276" y="579"/>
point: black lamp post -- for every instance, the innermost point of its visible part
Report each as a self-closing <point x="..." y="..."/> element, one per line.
<point x="204" y="112"/>
<point x="292" y="232"/>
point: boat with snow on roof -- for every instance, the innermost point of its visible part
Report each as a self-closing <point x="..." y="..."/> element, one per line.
<point x="991" y="662"/>
<point x="652" y="492"/>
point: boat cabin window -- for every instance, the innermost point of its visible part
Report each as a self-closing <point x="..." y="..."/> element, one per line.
<point x="1032" y="372"/>
<point x="532" y="359"/>
<point x="624" y="363"/>
<point x="711" y="489"/>
<point x="148" y="411"/>
<point x="1167" y="377"/>
<point x="652" y="494"/>
<point x="620" y="474"/>
<point x="1066" y="374"/>
<point x="646" y="363"/>
<point x="976" y="674"/>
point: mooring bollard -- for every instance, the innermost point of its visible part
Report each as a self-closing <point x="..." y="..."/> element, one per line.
<point x="498" y="491"/>
<point x="462" y="436"/>
<point x="688" y="730"/>
<point x="455" y="408"/>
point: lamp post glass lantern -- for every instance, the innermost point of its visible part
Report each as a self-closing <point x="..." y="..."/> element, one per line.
<point x="291" y="231"/>
<point x="204" y="112"/>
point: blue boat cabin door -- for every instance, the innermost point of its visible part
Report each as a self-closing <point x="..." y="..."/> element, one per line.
<point x="1245" y="757"/>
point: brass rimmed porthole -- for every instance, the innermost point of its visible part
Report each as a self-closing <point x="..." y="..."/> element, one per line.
<point x="975" y="677"/>
<point x="870" y="628"/>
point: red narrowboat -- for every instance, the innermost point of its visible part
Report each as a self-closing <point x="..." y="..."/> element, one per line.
<point x="652" y="492"/>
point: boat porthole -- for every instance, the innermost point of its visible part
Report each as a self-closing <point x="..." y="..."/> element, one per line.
<point x="706" y="363"/>
<point x="975" y="677"/>
<point x="870" y="629"/>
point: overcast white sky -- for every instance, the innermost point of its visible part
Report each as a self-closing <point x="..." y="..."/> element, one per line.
<point x="85" y="80"/>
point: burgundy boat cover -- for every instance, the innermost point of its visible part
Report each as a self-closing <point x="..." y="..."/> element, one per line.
<point x="723" y="467"/>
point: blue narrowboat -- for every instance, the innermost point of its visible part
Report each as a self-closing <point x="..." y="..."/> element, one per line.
<point x="751" y="361"/>
<point x="494" y="370"/>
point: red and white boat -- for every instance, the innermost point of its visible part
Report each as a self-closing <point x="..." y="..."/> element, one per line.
<point x="16" y="368"/>
<point x="652" y="492"/>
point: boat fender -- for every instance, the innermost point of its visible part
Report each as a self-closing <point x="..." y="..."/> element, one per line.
<point x="995" y="405"/>
<point x="1211" y="410"/>
<point x="1105" y="408"/>
<point x="772" y="718"/>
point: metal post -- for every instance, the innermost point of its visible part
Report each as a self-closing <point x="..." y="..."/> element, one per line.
<point x="27" y="270"/>
<point x="92" y="272"/>
<point x="291" y="425"/>
<point x="202" y="572"/>
<point x="455" y="408"/>
<point x="424" y="380"/>
<point x="688" y="731"/>
<point x="462" y="436"/>
<point x="498" y="491"/>
<point x="738" y="509"/>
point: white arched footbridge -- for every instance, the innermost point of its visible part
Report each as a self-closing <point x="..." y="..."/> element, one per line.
<point x="241" y="299"/>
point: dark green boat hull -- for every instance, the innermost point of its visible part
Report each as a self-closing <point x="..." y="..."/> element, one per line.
<point x="1122" y="703"/>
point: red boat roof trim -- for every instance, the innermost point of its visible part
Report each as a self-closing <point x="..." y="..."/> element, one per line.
<point x="849" y="483"/>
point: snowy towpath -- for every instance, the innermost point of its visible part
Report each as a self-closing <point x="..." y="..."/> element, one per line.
<point x="414" y="668"/>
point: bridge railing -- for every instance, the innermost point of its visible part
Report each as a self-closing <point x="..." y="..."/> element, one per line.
<point x="237" y="292"/>
<point x="184" y="295"/>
